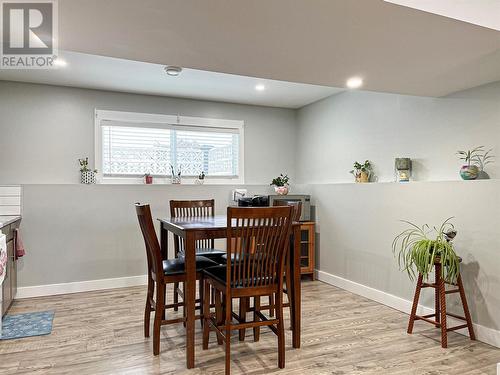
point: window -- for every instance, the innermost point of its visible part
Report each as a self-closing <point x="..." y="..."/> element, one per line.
<point x="129" y="145"/>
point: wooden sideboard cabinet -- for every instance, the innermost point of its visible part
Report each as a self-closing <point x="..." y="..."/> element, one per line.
<point x="307" y="248"/>
<point x="9" y="286"/>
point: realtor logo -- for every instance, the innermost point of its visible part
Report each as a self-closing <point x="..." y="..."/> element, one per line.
<point x="28" y="34"/>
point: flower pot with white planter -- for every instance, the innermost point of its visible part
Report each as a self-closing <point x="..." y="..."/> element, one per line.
<point x="280" y="184"/>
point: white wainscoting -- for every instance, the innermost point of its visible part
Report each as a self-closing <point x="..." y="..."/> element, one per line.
<point x="484" y="334"/>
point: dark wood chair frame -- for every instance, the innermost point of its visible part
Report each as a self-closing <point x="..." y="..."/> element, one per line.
<point x="157" y="280"/>
<point x="244" y="302"/>
<point x="190" y="208"/>
<point x="263" y="236"/>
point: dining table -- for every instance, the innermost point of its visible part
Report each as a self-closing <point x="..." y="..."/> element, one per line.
<point x="192" y="229"/>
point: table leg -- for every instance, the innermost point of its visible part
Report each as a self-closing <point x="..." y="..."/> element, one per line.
<point x="164" y="242"/>
<point x="190" y="296"/>
<point x="295" y="303"/>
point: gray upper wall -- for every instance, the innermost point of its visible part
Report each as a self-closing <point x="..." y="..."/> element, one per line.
<point x="359" y="125"/>
<point x="45" y="129"/>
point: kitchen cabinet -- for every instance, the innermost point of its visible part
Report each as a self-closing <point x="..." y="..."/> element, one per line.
<point x="9" y="285"/>
<point x="307" y="248"/>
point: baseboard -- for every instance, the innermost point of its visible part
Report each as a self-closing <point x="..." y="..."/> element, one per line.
<point x="484" y="334"/>
<point x="79" y="286"/>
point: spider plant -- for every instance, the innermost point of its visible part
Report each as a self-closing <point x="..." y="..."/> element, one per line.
<point x="484" y="159"/>
<point x="417" y="248"/>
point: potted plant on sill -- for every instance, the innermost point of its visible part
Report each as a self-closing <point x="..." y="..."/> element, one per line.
<point x="280" y="184"/>
<point x="201" y="178"/>
<point x="418" y="248"/>
<point x="87" y="175"/>
<point x="362" y="172"/>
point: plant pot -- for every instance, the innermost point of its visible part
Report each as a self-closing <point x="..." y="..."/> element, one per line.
<point x="148" y="180"/>
<point x="362" y="177"/>
<point x="199" y="181"/>
<point x="469" y="172"/>
<point x="87" y="177"/>
<point x="281" y="190"/>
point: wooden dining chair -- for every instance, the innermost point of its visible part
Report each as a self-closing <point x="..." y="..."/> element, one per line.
<point x="256" y="270"/>
<point x="160" y="273"/>
<point x="244" y="302"/>
<point x="206" y="248"/>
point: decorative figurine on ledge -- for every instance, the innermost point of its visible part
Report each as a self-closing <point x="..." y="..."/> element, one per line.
<point x="201" y="179"/>
<point x="176" y="177"/>
<point x="402" y="166"/>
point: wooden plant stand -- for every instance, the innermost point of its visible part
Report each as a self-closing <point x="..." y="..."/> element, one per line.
<point x="440" y="313"/>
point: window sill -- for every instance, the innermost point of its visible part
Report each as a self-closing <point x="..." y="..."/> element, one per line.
<point x="167" y="181"/>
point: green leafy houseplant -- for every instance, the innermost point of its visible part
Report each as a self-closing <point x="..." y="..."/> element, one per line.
<point x="362" y="172"/>
<point x="281" y="180"/>
<point x="416" y="249"/>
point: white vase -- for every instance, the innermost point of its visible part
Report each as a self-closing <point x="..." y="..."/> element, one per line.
<point x="281" y="190"/>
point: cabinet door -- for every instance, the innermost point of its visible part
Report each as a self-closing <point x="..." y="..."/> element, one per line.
<point x="7" y="282"/>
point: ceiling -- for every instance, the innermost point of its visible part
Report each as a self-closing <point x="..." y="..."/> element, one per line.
<point x="478" y="12"/>
<point x="394" y="48"/>
<point x="106" y="73"/>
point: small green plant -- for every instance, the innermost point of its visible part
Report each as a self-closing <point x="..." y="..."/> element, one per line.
<point x="358" y="168"/>
<point x="281" y="180"/>
<point x="84" y="165"/>
<point x="485" y="158"/>
<point x="417" y="251"/>
<point x="473" y="157"/>
<point x="201" y="176"/>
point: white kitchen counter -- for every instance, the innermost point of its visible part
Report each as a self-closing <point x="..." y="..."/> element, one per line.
<point x="6" y="220"/>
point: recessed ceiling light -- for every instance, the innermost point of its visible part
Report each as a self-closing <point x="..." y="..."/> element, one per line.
<point x="60" y="62"/>
<point x="354" y="82"/>
<point x="173" y="70"/>
<point x="260" y="87"/>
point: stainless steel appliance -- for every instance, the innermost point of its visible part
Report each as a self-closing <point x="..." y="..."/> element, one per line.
<point x="305" y="199"/>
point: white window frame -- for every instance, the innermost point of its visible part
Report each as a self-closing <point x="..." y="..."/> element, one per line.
<point x="143" y="119"/>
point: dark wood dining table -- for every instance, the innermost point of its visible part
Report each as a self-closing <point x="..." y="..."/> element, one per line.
<point x="198" y="228"/>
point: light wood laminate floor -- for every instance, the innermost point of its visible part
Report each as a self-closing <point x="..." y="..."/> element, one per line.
<point x="101" y="333"/>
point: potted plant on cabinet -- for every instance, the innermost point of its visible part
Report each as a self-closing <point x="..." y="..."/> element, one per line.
<point x="362" y="172"/>
<point x="418" y="248"/>
<point x="280" y="184"/>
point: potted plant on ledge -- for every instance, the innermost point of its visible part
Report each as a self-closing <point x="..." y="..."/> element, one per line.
<point x="419" y="248"/>
<point x="362" y="172"/>
<point x="280" y="184"/>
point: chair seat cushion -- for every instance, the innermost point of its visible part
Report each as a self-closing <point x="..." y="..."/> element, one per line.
<point x="177" y="266"/>
<point x="213" y="254"/>
<point x="218" y="273"/>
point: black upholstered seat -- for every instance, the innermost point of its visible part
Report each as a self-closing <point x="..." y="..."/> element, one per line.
<point x="177" y="266"/>
<point x="219" y="273"/>
<point x="212" y="254"/>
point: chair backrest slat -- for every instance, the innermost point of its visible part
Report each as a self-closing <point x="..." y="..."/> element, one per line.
<point x="257" y="239"/>
<point x="192" y="208"/>
<point x="153" y="250"/>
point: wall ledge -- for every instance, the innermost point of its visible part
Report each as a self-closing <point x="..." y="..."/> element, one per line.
<point x="484" y="334"/>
